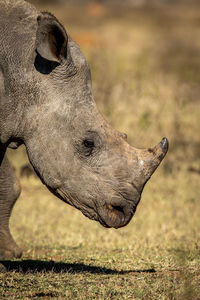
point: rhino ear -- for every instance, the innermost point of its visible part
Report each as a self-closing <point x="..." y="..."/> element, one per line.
<point x="51" y="40"/>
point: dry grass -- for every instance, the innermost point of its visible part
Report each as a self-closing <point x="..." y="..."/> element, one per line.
<point x="145" y="67"/>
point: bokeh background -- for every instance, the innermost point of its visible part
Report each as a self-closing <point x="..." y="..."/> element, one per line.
<point x="145" y="62"/>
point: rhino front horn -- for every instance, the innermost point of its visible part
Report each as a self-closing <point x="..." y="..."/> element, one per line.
<point x="150" y="159"/>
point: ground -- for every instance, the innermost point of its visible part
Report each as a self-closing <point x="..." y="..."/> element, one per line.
<point x="145" y="66"/>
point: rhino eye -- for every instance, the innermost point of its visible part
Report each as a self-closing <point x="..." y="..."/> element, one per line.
<point x="88" y="147"/>
<point x="88" y="143"/>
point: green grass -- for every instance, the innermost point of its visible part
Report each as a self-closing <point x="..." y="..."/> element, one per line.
<point x="145" y="67"/>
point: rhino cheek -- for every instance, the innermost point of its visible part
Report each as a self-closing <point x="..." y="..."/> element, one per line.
<point x="46" y="159"/>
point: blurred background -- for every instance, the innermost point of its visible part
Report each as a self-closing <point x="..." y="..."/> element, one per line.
<point x="145" y="63"/>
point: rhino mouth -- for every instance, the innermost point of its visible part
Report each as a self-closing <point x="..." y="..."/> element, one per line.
<point x="115" y="215"/>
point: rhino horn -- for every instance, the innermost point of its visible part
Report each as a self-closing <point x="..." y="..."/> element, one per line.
<point x="149" y="159"/>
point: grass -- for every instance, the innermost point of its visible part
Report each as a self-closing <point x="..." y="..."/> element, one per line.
<point x="150" y="56"/>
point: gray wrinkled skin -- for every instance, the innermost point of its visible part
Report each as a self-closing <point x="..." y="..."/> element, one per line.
<point x="46" y="103"/>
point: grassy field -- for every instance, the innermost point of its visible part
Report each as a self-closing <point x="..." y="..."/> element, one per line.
<point x="145" y="63"/>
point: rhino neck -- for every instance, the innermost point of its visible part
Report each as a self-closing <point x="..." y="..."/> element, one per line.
<point x="9" y="6"/>
<point x="18" y="25"/>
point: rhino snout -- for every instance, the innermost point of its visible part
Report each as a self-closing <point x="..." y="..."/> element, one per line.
<point x="116" y="214"/>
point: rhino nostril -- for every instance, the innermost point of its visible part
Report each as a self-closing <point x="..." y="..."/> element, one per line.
<point x="118" y="208"/>
<point x="117" y="215"/>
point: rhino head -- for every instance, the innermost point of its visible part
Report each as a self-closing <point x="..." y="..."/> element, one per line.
<point x="50" y="109"/>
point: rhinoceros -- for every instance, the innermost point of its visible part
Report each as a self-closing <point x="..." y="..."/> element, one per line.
<point x="46" y="103"/>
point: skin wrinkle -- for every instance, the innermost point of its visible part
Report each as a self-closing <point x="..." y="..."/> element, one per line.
<point x="74" y="202"/>
<point x="97" y="206"/>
